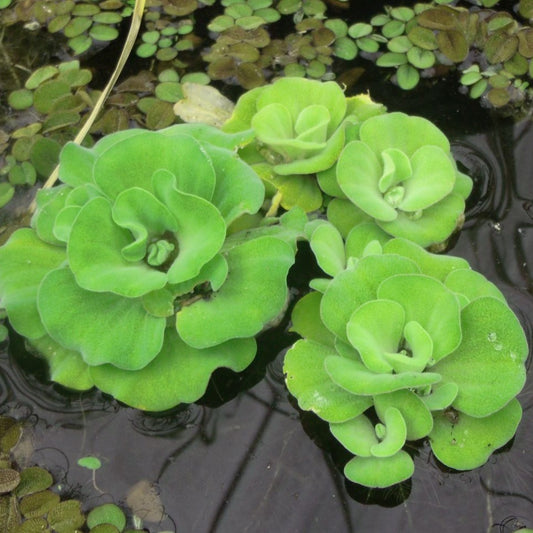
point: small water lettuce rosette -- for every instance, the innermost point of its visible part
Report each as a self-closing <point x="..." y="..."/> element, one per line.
<point x="300" y="127"/>
<point x="126" y="280"/>
<point x="401" y="345"/>
<point x="399" y="174"/>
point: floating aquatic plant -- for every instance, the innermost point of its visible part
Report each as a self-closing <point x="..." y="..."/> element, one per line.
<point x="127" y="262"/>
<point x="30" y="502"/>
<point x="297" y="137"/>
<point x="419" y="342"/>
<point x="400" y="174"/>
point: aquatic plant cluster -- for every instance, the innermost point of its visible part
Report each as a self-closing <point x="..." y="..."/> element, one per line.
<point x="28" y="503"/>
<point x="160" y="257"/>
<point x="244" y="42"/>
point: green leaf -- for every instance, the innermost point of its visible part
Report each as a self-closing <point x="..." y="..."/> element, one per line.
<point x="407" y="77"/>
<point x="90" y="462"/>
<point x="472" y="285"/>
<point x="306" y="320"/>
<point x="357" y="435"/>
<point x="353" y="287"/>
<point x="108" y="513"/>
<point x="24" y="262"/>
<point x="395" y="431"/>
<point x="375" y="328"/>
<point x="380" y="472"/>
<point x="355" y="378"/>
<point x="125" y="164"/>
<point x="428" y="302"/>
<point x="308" y="381"/>
<point x="493" y="350"/>
<point x="200" y="228"/>
<point x="417" y="417"/>
<point x="398" y="130"/>
<point x="179" y="374"/>
<point x="242" y="306"/>
<point x="328" y="247"/>
<point x="433" y="178"/>
<point x="66" y="366"/>
<point x="20" y="99"/>
<point x="96" y="259"/>
<point x="434" y="225"/>
<point x="238" y="189"/>
<point x="362" y="186"/>
<point x="435" y="265"/>
<point x="468" y="442"/>
<point x="114" y="329"/>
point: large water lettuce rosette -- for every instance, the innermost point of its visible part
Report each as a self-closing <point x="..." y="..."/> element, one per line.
<point x="402" y="345"/>
<point x="300" y="129"/>
<point x="126" y="280"/>
<point x="398" y="173"/>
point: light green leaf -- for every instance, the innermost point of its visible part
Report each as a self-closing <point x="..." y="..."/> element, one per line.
<point x="356" y="435"/>
<point x="200" y="228"/>
<point x="127" y="163"/>
<point x="95" y="257"/>
<point x="428" y="302"/>
<point x="353" y="287"/>
<point x="66" y="366"/>
<point x="375" y="328"/>
<point x="355" y="378"/>
<point x="380" y="472"/>
<point x="112" y="330"/>
<point x="358" y="173"/>
<point x="242" y="306"/>
<point x="308" y="381"/>
<point x="306" y="320"/>
<point x="433" y="178"/>
<point x="488" y="366"/>
<point x="24" y="262"/>
<point x="417" y="417"/>
<point x="328" y="247"/>
<point x="465" y="442"/>
<point x="179" y="373"/>
<point x="398" y="130"/>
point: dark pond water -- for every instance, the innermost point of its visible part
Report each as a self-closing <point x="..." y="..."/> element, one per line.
<point x="244" y="459"/>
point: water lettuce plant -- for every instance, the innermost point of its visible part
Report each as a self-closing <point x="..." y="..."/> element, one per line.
<point x="399" y="173"/>
<point x="298" y="136"/>
<point x="126" y="280"/>
<point x="402" y="345"/>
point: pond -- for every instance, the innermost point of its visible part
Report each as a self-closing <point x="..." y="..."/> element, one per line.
<point x="244" y="457"/>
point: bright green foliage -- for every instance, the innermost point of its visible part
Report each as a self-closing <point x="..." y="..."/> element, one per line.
<point x="400" y="174"/>
<point x="298" y="135"/>
<point x="126" y="279"/>
<point x="425" y="341"/>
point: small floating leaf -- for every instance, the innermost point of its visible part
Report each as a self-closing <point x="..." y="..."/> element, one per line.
<point x="40" y="76"/>
<point x="407" y="77"/>
<point x="20" y="99"/>
<point x="107" y="514"/>
<point x="101" y="32"/>
<point x="66" y="516"/>
<point x="9" y="479"/>
<point x="38" y="504"/>
<point x="34" y="479"/>
<point x="500" y="47"/>
<point x="453" y="45"/>
<point x="90" y="462"/>
<point x="438" y="18"/>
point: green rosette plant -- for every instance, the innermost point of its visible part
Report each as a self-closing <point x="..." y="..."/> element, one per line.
<point x="398" y="173"/>
<point x="127" y="281"/>
<point x="299" y="127"/>
<point x="402" y="345"/>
